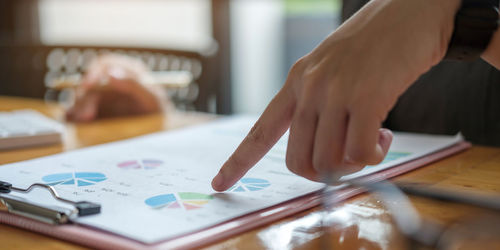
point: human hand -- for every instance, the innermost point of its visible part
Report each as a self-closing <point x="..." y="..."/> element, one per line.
<point x="335" y="98"/>
<point x="112" y="86"/>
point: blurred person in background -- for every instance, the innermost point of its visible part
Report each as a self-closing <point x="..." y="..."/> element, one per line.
<point x="114" y="85"/>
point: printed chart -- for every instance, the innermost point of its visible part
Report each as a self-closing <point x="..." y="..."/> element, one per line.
<point x="147" y="164"/>
<point x="76" y="179"/>
<point x="249" y="184"/>
<point x="184" y="200"/>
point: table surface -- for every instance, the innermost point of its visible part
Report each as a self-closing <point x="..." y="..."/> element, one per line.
<point x="362" y="221"/>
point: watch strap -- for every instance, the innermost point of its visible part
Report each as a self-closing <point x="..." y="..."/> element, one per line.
<point x="475" y="23"/>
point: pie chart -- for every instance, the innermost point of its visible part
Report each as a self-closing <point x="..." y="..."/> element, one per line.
<point x="182" y="200"/>
<point x="75" y="179"/>
<point x="249" y="184"/>
<point x="147" y="164"/>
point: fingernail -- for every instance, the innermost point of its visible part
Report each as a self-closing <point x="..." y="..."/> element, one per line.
<point x="217" y="182"/>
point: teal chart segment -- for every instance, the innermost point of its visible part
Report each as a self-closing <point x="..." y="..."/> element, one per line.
<point x="74" y="179"/>
<point x="394" y="155"/>
<point x="249" y="185"/>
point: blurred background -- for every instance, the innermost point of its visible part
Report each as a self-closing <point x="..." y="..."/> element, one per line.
<point x="238" y="51"/>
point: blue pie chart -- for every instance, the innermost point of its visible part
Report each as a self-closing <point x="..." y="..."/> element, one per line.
<point x="75" y="179"/>
<point x="249" y="185"/>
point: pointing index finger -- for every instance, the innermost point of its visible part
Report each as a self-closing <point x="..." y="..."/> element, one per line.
<point x="264" y="134"/>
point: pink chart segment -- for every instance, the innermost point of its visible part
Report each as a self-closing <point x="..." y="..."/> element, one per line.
<point x="147" y="164"/>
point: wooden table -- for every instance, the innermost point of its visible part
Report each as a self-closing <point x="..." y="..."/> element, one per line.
<point x="363" y="220"/>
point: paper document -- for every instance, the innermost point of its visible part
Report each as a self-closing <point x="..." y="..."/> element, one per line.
<point x="156" y="187"/>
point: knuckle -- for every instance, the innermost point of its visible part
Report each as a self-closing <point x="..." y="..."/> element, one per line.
<point x="295" y="73"/>
<point x="257" y="137"/>
<point x="320" y="163"/>
<point x="302" y="114"/>
<point x="298" y="66"/>
<point x="236" y="162"/>
<point x="302" y="73"/>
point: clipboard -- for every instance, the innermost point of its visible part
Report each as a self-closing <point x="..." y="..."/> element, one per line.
<point x="96" y="238"/>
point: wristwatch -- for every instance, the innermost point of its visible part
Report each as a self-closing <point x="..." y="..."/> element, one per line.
<point x="475" y="23"/>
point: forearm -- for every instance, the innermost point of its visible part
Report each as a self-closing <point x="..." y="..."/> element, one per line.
<point x="492" y="53"/>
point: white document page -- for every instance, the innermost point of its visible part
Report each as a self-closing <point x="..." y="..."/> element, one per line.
<point x="157" y="186"/>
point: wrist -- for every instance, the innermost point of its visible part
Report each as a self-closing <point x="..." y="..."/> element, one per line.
<point x="416" y="31"/>
<point x="442" y="15"/>
<point x="430" y="30"/>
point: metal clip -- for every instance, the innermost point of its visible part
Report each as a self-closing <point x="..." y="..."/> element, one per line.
<point x="52" y="214"/>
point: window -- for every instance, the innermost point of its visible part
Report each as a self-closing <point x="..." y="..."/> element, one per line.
<point x="174" y="24"/>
